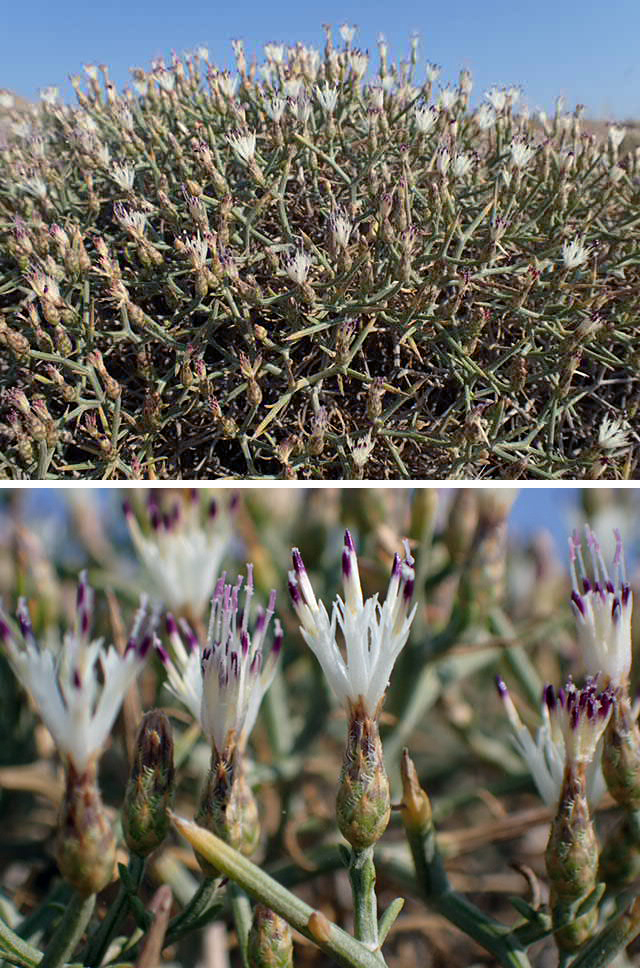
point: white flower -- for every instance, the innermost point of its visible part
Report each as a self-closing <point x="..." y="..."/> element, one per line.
<point x="347" y="33"/>
<point x="340" y="226"/>
<point x="461" y="164"/>
<point x="166" y="80"/>
<point x="433" y="72"/>
<point x="327" y="96"/>
<point x="244" y="145"/>
<point x="226" y="83"/>
<point x="198" y="249"/>
<point x="182" y="547"/>
<point x="570" y="731"/>
<point x="497" y="98"/>
<point x="443" y="159"/>
<point x="275" y="108"/>
<point x="425" y="118"/>
<point x="361" y="449"/>
<point x="35" y="185"/>
<point x="222" y="683"/>
<point x="376" y="97"/>
<point x="301" y="108"/>
<point x="292" y="86"/>
<point x="447" y="99"/>
<point x="521" y="153"/>
<point x="92" y="71"/>
<point x="297" y="267"/>
<point x="132" y="222"/>
<point x="203" y="53"/>
<point x="616" y="135"/>
<point x="485" y="117"/>
<point x="602" y="608"/>
<point x="123" y="176"/>
<point x="373" y="635"/>
<point x="274" y="52"/>
<point x="79" y="687"/>
<point x="574" y="253"/>
<point x="613" y="435"/>
<point x="6" y="100"/>
<point x="358" y="61"/>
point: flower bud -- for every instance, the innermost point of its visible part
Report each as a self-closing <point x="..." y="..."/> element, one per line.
<point x="269" y="944"/>
<point x="150" y="789"/>
<point x="620" y="856"/>
<point x="228" y="808"/>
<point x="621" y="755"/>
<point x="85" y="846"/>
<point x="363" y="802"/>
<point x="572" y="861"/>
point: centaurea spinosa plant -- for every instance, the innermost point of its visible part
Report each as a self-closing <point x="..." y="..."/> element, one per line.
<point x="259" y="756"/>
<point x="179" y="227"/>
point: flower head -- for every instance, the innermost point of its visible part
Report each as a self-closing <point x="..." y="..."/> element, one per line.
<point x="244" y="145"/>
<point x="223" y="682"/>
<point x="297" y="267"/>
<point x="573" y="721"/>
<point x="79" y="687"/>
<point x="373" y="634"/>
<point x="574" y="253"/>
<point x="327" y="96"/>
<point x="602" y="608"/>
<point x="182" y="547"/>
<point x="613" y="435"/>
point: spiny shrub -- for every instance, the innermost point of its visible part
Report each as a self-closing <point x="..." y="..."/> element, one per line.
<point x="288" y="271"/>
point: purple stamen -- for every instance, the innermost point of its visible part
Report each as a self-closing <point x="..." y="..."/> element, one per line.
<point x="578" y="602"/>
<point x="294" y="591"/>
<point x="396" y="566"/>
<point x="171" y="625"/>
<point x="346" y="563"/>
<point x="162" y="652"/>
<point x="298" y="563"/>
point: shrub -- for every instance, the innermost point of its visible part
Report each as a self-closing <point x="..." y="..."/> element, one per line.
<point x="290" y="272"/>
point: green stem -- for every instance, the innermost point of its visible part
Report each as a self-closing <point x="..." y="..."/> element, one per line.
<point x="331" y="939"/>
<point x="202" y="904"/>
<point x="434" y="883"/>
<point x="362" y="874"/>
<point x="69" y="931"/>
<point x="15" y="950"/>
<point x="117" y="911"/>
<point x="241" y="909"/>
<point x="602" y="949"/>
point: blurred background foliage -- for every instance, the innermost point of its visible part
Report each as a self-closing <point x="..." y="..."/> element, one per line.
<point x="492" y="598"/>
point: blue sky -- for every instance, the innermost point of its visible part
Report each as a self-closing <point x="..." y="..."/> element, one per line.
<point x="586" y="51"/>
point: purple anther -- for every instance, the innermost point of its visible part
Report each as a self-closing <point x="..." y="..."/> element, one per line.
<point x="578" y="602"/>
<point x="298" y="563"/>
<point x="549" y="696"/>
<point x="294" y="591"/>
<point x="171" y="625"/>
